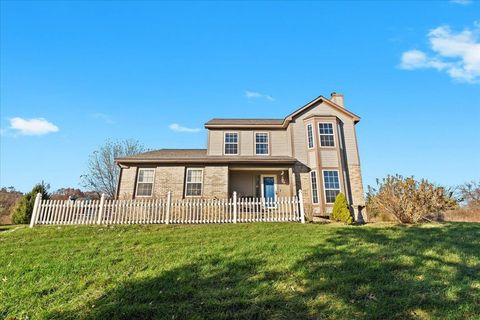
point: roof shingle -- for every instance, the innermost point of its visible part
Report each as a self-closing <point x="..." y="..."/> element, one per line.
<point x="199" y="156"/>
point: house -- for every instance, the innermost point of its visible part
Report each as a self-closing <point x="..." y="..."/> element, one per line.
<point x="313" y="149"/>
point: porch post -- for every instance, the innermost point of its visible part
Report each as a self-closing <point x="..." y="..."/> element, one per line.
<point x="302" y="209"/>
<point x="36" y="207"/>
<point x="234" y="206"/>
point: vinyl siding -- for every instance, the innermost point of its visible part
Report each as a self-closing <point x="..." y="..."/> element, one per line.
<point x="279" y="144"/>
<point x="329" y="158"/>
<point x="312" y="158"/>
<point x="215" y="147"/>
<point x="247" y="143"/>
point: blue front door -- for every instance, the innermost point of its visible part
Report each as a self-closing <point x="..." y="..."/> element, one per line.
<point x="269" y="188"/>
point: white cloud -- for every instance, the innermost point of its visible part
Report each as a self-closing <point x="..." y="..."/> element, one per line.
<point x="178" y="128"/>
<point x="258" y="95"/>
<point x="32" y="127"/>
<point x="104" y="117"/>
<point x="456" y="53"/>
<point x="462" y="2"/>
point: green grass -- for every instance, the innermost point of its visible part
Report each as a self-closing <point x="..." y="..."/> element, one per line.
<point x="244" y="271"/>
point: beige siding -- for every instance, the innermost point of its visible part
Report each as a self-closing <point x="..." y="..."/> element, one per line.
<point x="127" y="183"/>
<point x="215" y="147"/>
<point x="299" y="140"/>
<point x="247" y="143"/>
<point x="312" y="158"/>
<point x="279" y="143"/>
<point x="322" y="109"/>
<point x="329" y="158"/>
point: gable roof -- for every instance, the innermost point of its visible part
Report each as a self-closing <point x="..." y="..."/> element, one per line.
<point x="276" y="123"/>
<point x="198" y="156"/>
<point x="327" y="101"/>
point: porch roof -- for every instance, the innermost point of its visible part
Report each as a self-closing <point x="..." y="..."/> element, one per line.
<point x="200" y="156"/>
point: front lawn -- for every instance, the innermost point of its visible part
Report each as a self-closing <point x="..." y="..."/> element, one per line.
<point x="245" y="271"/>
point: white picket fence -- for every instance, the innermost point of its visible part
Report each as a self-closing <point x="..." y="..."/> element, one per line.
<point x="181" y="211"/>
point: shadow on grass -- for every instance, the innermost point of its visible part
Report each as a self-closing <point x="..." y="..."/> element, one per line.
<point x="212" y="289"/>
<point x="361" y="273"/>
<point x="416" y="273"/>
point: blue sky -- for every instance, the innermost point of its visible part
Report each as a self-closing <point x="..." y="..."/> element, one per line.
<point x="74" y="74"/>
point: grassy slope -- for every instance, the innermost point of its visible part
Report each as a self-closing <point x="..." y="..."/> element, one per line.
<point x="275" y="271"/>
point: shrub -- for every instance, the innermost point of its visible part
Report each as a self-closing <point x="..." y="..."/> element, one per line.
<point x="407" y="199"/>
<point x="8" y="200"/>
<point x="23" y="211"/>
<point x="340" y="210"/>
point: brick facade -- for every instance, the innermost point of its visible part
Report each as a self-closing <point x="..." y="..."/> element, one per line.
<point x="356" y="185"/>
<point x="215" y="182"/>
<point x="172" y="178"/>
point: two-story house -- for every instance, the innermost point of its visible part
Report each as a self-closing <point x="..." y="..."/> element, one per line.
<point x="313" y="149"/>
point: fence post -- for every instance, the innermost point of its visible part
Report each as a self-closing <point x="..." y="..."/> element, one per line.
<point x="234" y="206"/>
<point x="101" y="209"/>
<point x="36" y="207"/>
<point x="302" y="209"/>
<point x="169" y="201"/>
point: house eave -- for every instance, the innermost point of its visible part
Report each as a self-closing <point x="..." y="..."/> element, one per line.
<point x="205" y="161"/>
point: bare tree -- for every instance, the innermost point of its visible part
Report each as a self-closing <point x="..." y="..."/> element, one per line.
<point x="470" y="194"/>
<point x="102" y="175"/>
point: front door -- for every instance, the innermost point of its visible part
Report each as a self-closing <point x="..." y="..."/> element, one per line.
<point x="268" y="188"/>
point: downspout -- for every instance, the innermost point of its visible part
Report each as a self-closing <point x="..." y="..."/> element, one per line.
<point x="117" y="194"/>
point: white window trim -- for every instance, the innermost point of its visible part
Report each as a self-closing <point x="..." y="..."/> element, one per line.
<point x="238" y="143"/>
<point x="316" y="183"/>
<point x="313" y="136"/>
<point x="255" y="143"/>
<point x="153" y="183"/>
<point x="274" y="188"/>
<point x="186" y="183"/>
<point x="334" y="134"/>
<point x="325" y="188"/>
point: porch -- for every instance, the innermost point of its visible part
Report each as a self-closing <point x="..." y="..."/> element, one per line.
<point x="269" y="183"/>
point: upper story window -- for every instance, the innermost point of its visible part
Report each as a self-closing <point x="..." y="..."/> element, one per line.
<point x="313" y="180"/>
<point x="327" y="138"/>
<point x="231" y="143"/>
<point x="261" y="143"/>
<point x="194" y="181"/>
<point x="145" y="182"/>
<point x="310" y="136"/>
<point x="332" y="185"/>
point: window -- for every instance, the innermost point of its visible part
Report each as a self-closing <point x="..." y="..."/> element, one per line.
<point x="231" y="143"/>
<point x="313" y="178"/>
<point x="145" y="182"/>
<point x="332" y="185"/>
<point x="261" y="143"/>
<point x="326" y="134"/>
<point x="310" y="136"/>
<point x="193" y="184"/>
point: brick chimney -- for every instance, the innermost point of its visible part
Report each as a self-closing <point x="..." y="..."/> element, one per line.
<point x="337" y="98"/>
